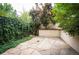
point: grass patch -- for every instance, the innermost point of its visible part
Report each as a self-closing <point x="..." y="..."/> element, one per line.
<point x="13" y="44"/>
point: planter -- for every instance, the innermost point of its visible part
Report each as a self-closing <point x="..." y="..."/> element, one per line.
<point x="72" y="41"/>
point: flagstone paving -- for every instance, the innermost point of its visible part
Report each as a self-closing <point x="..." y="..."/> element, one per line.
<point x="42" y="46"/>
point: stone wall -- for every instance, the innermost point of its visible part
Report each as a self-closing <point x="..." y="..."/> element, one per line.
<point x="73" y="42"/>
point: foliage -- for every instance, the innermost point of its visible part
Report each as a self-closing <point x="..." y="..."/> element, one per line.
<point x="30" y="25"/>
<point x="10" y="29"/>
<point x="7" y="10"/>
<point x="41" y="15"/>
<point x="13" y="28"/>
<point x="67" y="14"/>
<point x="46" y="16"/>
<point x="35" y="21"/>
<point x="25" y="17"/>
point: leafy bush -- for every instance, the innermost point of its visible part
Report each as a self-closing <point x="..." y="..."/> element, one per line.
<point x="10" y="29"/>
<point x="68" y="17"/>
<point x="30" y="24"/>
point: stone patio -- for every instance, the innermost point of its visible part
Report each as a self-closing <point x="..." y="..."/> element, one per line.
<point x="42" y="46"/>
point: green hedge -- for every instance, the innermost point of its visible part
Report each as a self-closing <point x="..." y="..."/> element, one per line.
<point x="14" y="29"/>
<point x="11" y="29"/>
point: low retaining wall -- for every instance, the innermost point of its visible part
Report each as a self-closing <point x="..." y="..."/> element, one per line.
<point x="74" y="43"/>
<point x="49" y="33"/>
